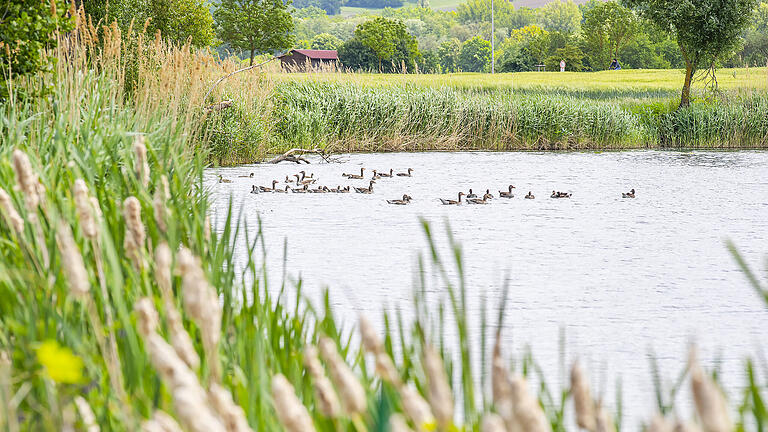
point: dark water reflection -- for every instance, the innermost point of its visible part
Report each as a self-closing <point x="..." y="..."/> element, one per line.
<point x="621" y="277"/>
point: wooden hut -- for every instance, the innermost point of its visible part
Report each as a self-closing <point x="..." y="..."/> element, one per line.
<point x="301" y="60"/>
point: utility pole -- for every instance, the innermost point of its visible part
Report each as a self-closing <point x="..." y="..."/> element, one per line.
<point x="493" y="36"/>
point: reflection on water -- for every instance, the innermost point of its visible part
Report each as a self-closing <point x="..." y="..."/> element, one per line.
<point x="620" y="276"/>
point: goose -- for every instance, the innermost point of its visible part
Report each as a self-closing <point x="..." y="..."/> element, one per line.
<point x="246" y="176"/>
<point x="334" y="190"/>
<point x="354" y="176"/>
<point x="345" y="190"/>
<point x="488" y="194"/>
<point x="266" y="189"/>
<point x="530" y="196"/>
<point x="288" y="180"/>
<point x="477" y="200"/>
<point x="560" y="195"/>
<point x="471" y="194"/>
<point x="321" y="189"/>
<point x="406" y="199"/>
<point x="304" y="175"/>
<point x="254" y="189"/>
<point x="367" y="190"/>
<point x="508" y="194"/>
<point x="307" y="181"/>
<point x="452" y="202"/>
<point x="405" y="174"/>
<point x="223" y="180"/>
<point x="630" y="194"/>
<point x="385" y="174"/>
<point x="300" y="190"/>
<point x="277" y="190"/>
<point x="376" y="175"/>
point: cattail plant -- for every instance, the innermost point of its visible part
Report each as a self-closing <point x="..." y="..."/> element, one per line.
<point x="659" y="423"/>
<point x="501" y="387"/>
<point x="582" y="400"/>
<point x="162" y="195"/>
<point x="142" y="165"/>
<point x="85" y="210"/>
<point x="86" y="414"/>
<point x="492" y="423"/>
<point x="397" y="424"/>
<point x="350" y="390"/>
<point x="9" y="211"/>
<point x="709" y="400"/>
<point x="440" y="396"/>
<point x="134" y="231"/>
<point x="292" y="414"/>
<point x="72" y="263"/>
<point x="327" y="401"/>
<point x="202" y="305"/>
<point x="231" y="414"/>
<point x="160" y="422"/>
<point x="26" y="179"/>
<point x="416" y="408"/>
<point x="528" y="412"/>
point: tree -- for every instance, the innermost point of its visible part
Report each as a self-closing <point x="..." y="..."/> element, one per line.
<point x="332" y="7"/>
<point x="572" y="56"/>
<point x="706" y="30"/>
<point x="475" y="55"/>
<point x="256" y="26"/>
<point x="325" y="41"/>
<point x="389" y="41"/>
<point x="354" y="55"/>
<point x="449" y="55"/>
<point x="607" y="28"/>
<point x="560" y="16"/>
<point x="179" y="20"/>
<point x="26" y="28"/>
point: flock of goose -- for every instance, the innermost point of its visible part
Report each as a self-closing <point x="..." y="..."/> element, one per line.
<point x="303" y="183"/>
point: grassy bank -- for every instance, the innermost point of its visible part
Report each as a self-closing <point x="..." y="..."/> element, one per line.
<point x="121" y="310"/>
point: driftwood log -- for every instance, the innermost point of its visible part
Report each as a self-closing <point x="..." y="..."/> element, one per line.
<point x="296" y="155"/>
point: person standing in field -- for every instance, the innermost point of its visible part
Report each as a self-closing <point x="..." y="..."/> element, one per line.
<point x="562" y="65"/>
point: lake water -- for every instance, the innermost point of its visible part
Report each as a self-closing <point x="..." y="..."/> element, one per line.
<point x="621" y="277"/>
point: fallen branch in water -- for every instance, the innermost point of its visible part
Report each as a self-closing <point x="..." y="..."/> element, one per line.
<point x="295" y="155"/>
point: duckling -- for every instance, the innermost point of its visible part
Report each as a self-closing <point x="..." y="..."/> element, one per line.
<point x="223" y="180"/>
<point x="255" y="190"/>
<point x="385" y="174"/>
<point x="471" y="194"/>
<point x="508" y="194"/>
<point x="367" y="190"/>
<point x="530" y="196"/>
<point x="266" y="189"/>
<point x="477" y="200"/>
<point x="487" y="195"/>
<point x="276" y="190"/>
<point x="354" y="176"/>
<point x="630" y="194"/>
<point x="452" y="202"/>
<point x="406" y="199"/>
<point x="405" y="174"/>
<point x="246" y="176"/>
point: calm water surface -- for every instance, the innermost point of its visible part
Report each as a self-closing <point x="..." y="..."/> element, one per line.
<point x="621" y="277"/>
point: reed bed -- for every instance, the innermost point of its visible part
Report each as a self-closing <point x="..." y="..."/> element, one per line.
<point x="120" y="308"/>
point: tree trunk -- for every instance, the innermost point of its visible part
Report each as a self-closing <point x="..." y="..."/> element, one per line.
<point x="685" y="98"/>
<point x="253" y="51"/>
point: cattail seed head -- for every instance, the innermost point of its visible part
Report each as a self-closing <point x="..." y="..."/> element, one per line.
<point x="160" y="422"/>
<point x="492" y="423"/>
<point x="603" y="421"/>
<point x="194" y="413"/>
<point x="146" y="313"/>
<point x="85" y="211"/>
<point x="582" y="400"/>
<point x="440" y="397"/>
<point x="416" y="408"/>
<point x="660" y="424"/>
<point x="200" y="299"/>
<point x="501" y="385"/>
<point x="134" y="230"/>
<point x="180" y="339"/>
<point x="292" y="414"/>
<point x="26" y="178"/>
<point x="352" y="394"/>
<point x="683" y="426"/>
<point x="86" y="414"/>
<point x="709" y="400"/>
<point x="231" y="413"/>
<point x="142" y="166"/>
<point x="14" y="219"/>
<point x="371" y="340"/>
<point x="528" y="413"/>
<point x="397" y="424"/>
<point x="72" y="262"/>
<point x="327" y="401"/>
<point x="163" y="268"/>
<point x="162" y="195"/>
<point x="386" y="370"/>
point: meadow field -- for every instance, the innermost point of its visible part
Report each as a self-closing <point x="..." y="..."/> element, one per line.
<point x="121" y="309"/>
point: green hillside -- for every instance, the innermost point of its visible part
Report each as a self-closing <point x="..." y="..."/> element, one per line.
<point x="448" y="5"/>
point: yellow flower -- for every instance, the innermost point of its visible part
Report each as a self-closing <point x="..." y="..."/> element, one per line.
<point x="61" y="365"/>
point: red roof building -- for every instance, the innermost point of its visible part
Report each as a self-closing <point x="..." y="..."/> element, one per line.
<point x="306" y="59"/>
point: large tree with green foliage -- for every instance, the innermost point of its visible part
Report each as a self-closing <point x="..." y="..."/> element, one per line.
<point x="475" y="55"/>
<point x="706" y="30"/>
<point x="389" y="40"/>
<point x="560" y="16"/>
<point x="26" y="28"/>
<point x="607" y="28"/>
<point x="255" y="26"/>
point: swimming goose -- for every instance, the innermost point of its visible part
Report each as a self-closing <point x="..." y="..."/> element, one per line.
<point x="452" y="202"/>
<point x="488" y="194"/>
<point x="288" y="180"/>
<point x="223" y="180"/>
<point x="385" y="174"/>
<point x="254" y="189"/>
<point x="246" y="176"/>
<point x="321" y="189"/>
<point x="376" y="175"/>
<point x="277" y="190"/>
<point x="471" y="194"/>
<point x="266" y="189"/>
<point x="408" y="174"/>
<point x="367" y="190"/>
<point x="630" y="194"/>
<point x="406" y="199"/>
<point x="304" y="175"/>
<point x="509" y="194"/>
<point x="354" y="176"/>
<point x="530" y="196"/>
<point x="560" y="195"/>
<point x="300" y="190"/>
<point x="345" y="190"/>
<point x="477" y="200"/>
